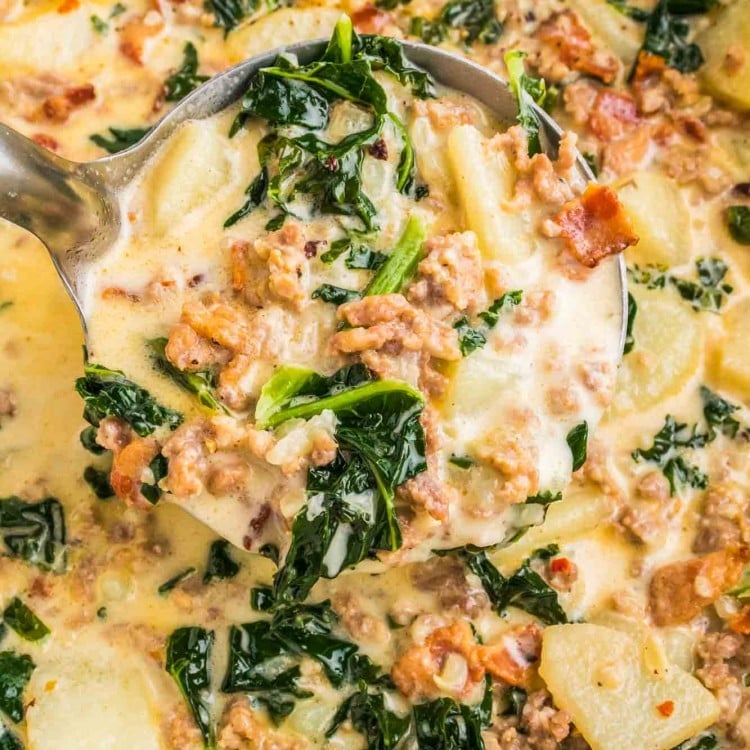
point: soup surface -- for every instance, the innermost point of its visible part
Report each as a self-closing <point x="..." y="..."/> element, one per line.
<point x="350" y="375"/>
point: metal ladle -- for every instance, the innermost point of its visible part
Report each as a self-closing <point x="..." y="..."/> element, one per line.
<point x="74" y="208"/>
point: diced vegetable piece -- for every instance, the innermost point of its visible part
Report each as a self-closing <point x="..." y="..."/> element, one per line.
<point x="667" y="351"/>
<point x="660" y="218"/>
<point x="192" y="170"/>
<point x="485" y="179"/>
<point x="98" y="683"/>
<point x="601" y="677"/>
<point x="734" y="363"/>
<point x="726" y="77"/>
<point x="619" y="33"/>
<point x="566" y="519"/>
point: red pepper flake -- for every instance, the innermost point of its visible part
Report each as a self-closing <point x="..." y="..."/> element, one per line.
<point x="378" y="150"/>
<point x="311" y="247"/>
<point x="666" y="709"/>
<point x="560" y="565"/>
<point x="45" y="141"/>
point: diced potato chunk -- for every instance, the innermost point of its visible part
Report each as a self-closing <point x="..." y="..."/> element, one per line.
<point x="281" y="28"/>
<point x="660" y="217"/>
<point x="726" y="48"/>
<point x="619" y="33"/>
<point x="191" y="171"/>
<point x="91" y="698"/>
<point x="667" y="352"/>
<point x="734" y="363"/>
<point x="601" y="677"/>
<point x="565" y="520"/>
<point x="485" y="180"/>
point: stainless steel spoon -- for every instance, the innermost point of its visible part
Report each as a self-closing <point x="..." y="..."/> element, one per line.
<point x="74" y="208"/>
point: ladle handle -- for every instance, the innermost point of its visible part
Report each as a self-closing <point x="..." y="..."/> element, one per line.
<point x="56" y="199"/>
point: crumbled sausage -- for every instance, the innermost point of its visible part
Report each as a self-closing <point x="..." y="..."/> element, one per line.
<point x="680" y="591"/>
<point x="446" y="578"/>
<point x="136" y="31"/>
<point x="187" y="350"/>
<point x="724" y="521"/>
<point x="242" y="728"/>
<point x="361" y="626"/>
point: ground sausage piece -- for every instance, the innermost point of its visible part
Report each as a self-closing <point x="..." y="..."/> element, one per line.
<point x="446" y="577"/>
<point x="135" y="31"/>
<point x="451" y="273"/>
<point x="243" y="729"/>
<point x="187" y="350"/>
<point x="388" y="320"/>
<point x="567" y="44"/>
<point x="680" y="591"/>
<point x="725" y="519"/>
<point x="361" y="626"/>
<point x="595" y="225"/>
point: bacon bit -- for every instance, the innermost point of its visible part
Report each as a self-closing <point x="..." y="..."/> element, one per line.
<point x="136" y="31"/>
<point x="504" y="664"/>
<point x="371" y="20"/>
<point x="115" y="292"/>
<point x="127" y="467"/>
<point x="560" y="565"/>
<point x="565" y="32"/>
<point x="742" y="188"/>
<point x="45" y="141"/>
<point x="378" y="150"/>
<point x="740" y="623"/>
<point x="648" y="65"/>
<point x="67" y="6"/>
<point x="612" y="115"/>
<point x="666" y="709"/>
<point x="311" y="247"/>
<point x="78" y="95"/>
<point x="58" y="108"/>
<point x="595" y="226"/>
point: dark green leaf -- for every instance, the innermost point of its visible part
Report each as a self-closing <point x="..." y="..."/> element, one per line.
<point x="738" y="223"/>
<point x="544" y="498"/>
<point x="469" y="339"/>
<point x="18" y="617"/>
<point x="361" y="256"/>
<point x="476" y="18"/>
<point x="185" y="79"/>
<point x="261" y="599"/>
<point x="15" y="671"/>
<point x="220" y="563"/>
<point x="35" y="532"/>
<point x="8" y="740"/>
<point x="336" y="295"/>
<point x="463" y="462"/>
<point x="710" y="291"/>
<point x="175" y="580"/>
<point x="98" y="480"/>
<point x="666" y="36"/>
<point x="652" y="276"/>
<point x="229" y="13"/>
<point x="256" y="193"/>
<point x="527" y="91"/>
<point x="188" y="661"/>
<point x="99" y="25"/>
<point x="592" y="163"/>
<point x="120" y="138"/>
<point x="88" y="441"/>
<point x="631" y="11"/>
<point x="159" y="467"/>
<point x="702" y="742"/>
<point x="577" y="440"/>
<point x="515" y="698"/>
<point x="429" y="31"/>
<point x="338" y="248"/>
<point x="632" y="311"/>
<point x="718" y="414"/>
<point x="200" y="383"/>
<point x="108" y="393"/>
<point x="492" y="314"/>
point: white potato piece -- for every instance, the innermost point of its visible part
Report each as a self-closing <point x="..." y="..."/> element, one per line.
<point x="566" y="519"/>
<point x="660" y="218"/>
<point x="667" y="352"/>
<point x="725" y="45"/>
<point x="605" y="680"/>
<point x="191" y="171"/>
<point x="734" y="362"/>
<point x="281" y="28"/>
<point x="619" y="33"/>
<point x="91" y="697"/>
<point x="485" y="180"/>
<point x="50" y="41"/>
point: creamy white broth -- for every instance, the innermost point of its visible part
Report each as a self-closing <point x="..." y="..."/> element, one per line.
<point x="118" y="556"/>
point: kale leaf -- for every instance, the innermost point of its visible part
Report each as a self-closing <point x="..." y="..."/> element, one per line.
<point x="472" y="338"/>
<point x="577" y="440"/>
<point x="201" y="383"/>
<point x="738" y="223"/>
<point x="651" y="276"/>
<point x="475" y="18"/>
<point x="229" y="13"/>
<point x="666" y="453"/>
<point x="220" y="564"/>
<point x="15" y="671"/>
<point x="35" y="532"/>
<point x="185" y="79"/>
<point x="98" y="481"/>
<point x="718" y="414"/>
<point x="666" y="36"/>
<point x="527" y="92"/>
<point x="701" y="742"/>
<point x="381" y="728"/>
<point x="430" y="31"/>
<point x="8" y="740"/>
<point x="23" y="621"/>
<point x="120" y="138"/>
<point x="175" y="580"/>
<point x="710" y="291"/>
<point x="188" y="661"/>
<point x="632" y="312"/>
<point x="365" y="258"/>
<point x="108" y="393"/>
<point x="336" y="295"/>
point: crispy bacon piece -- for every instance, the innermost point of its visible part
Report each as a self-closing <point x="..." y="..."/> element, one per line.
<point x="136" y="31"/>
<point x="740" y="623"/>
<point x="595" y="225"/>
<point x="58" y="107"/>
<point x="613" y="114"/>
<point x="569" y="38"/>
<point x="510" y="659"/>
<point x="680" y="591"/>
<point x="371" y="20"/>
<point x="45" y="141"/>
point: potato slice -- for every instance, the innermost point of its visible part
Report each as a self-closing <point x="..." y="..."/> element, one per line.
<point x="485" y="181"/>
<point x="667" y="352"/>
<point x="604" y="679"/>
<point x="621" y="34"/>
<point x="725" y="45"/>
<point x="734" y="363"/>
<point x="91" y="697"/>
<point x="281" y="28"/>
<point x="660" y="218"/>
<point x="190" y="172"/>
